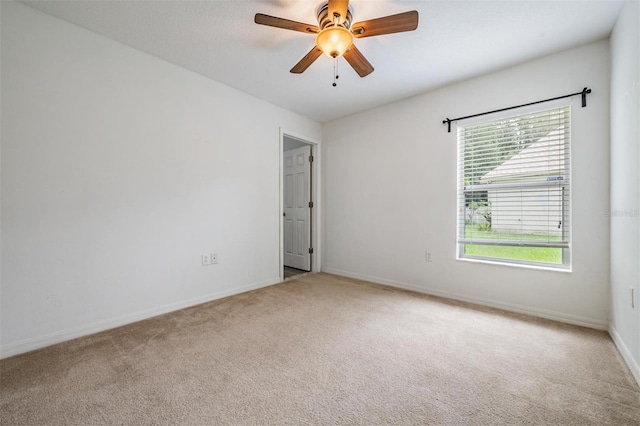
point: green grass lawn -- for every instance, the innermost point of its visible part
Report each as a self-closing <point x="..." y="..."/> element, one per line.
<point x="533" y="254"/>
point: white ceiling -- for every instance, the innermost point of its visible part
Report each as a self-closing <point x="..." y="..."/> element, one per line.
<point x="455" y="40"/>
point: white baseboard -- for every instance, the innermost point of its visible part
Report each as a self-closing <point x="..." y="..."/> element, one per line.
<point x="626" y="354"/>
<point x="38" y="342"/>
<point x="512" y="307"/>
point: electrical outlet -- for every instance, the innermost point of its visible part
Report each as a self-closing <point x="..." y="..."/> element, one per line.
<point x="427" y="256"/>
<point x="206" y="259"/>
<point x="214" y="258"/>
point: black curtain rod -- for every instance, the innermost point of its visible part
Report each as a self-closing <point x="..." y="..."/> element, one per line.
<point x="584" y="104"/>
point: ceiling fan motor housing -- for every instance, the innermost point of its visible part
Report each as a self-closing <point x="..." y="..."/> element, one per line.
<point x="324" y="20"/>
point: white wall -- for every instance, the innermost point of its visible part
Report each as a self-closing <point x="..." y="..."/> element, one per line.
<point x="625" y="184"/>
<point x="118" y="171"/>
<point x="289" y="143"/>
<point x="390" y="192"/>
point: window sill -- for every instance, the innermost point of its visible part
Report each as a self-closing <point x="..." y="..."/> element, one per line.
<point x="560" y="268"/>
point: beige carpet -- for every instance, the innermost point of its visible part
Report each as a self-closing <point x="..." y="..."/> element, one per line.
<point x="326" y="350"/>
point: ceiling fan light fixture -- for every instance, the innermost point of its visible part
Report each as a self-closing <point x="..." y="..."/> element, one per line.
<point x="334" y="41"/>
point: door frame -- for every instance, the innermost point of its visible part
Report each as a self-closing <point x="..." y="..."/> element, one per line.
<point x="316" y="197"/>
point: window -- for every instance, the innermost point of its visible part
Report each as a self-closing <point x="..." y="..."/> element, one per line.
<point x="514" y="189"/>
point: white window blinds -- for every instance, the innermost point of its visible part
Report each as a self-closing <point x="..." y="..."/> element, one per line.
<point x="514" y="181"/>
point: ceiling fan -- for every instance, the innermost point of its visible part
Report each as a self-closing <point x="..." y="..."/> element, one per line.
<point x="335" y="33"/>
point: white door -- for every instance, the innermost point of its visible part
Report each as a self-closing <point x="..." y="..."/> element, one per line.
<point x="297" y="212"/>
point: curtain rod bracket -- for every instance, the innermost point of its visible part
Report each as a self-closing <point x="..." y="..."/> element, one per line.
<point x="584" y="96"/>
<point x="448" y="124"/>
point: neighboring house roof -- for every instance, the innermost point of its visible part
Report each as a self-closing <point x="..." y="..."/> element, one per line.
<point x="544" y="157"/>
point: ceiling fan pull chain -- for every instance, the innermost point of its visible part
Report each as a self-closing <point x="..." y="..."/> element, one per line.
<point x="335" y="70"/>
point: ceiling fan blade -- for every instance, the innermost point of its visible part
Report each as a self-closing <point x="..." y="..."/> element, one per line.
<point x="273" y="21"/>
<point x="340" y="7"/>
<point x="308" y="59"/>
<point x="407" y="21"/>
<point x="357" y="60"/>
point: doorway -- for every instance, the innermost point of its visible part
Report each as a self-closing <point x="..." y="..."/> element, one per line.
<point x="298" y="171"/>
